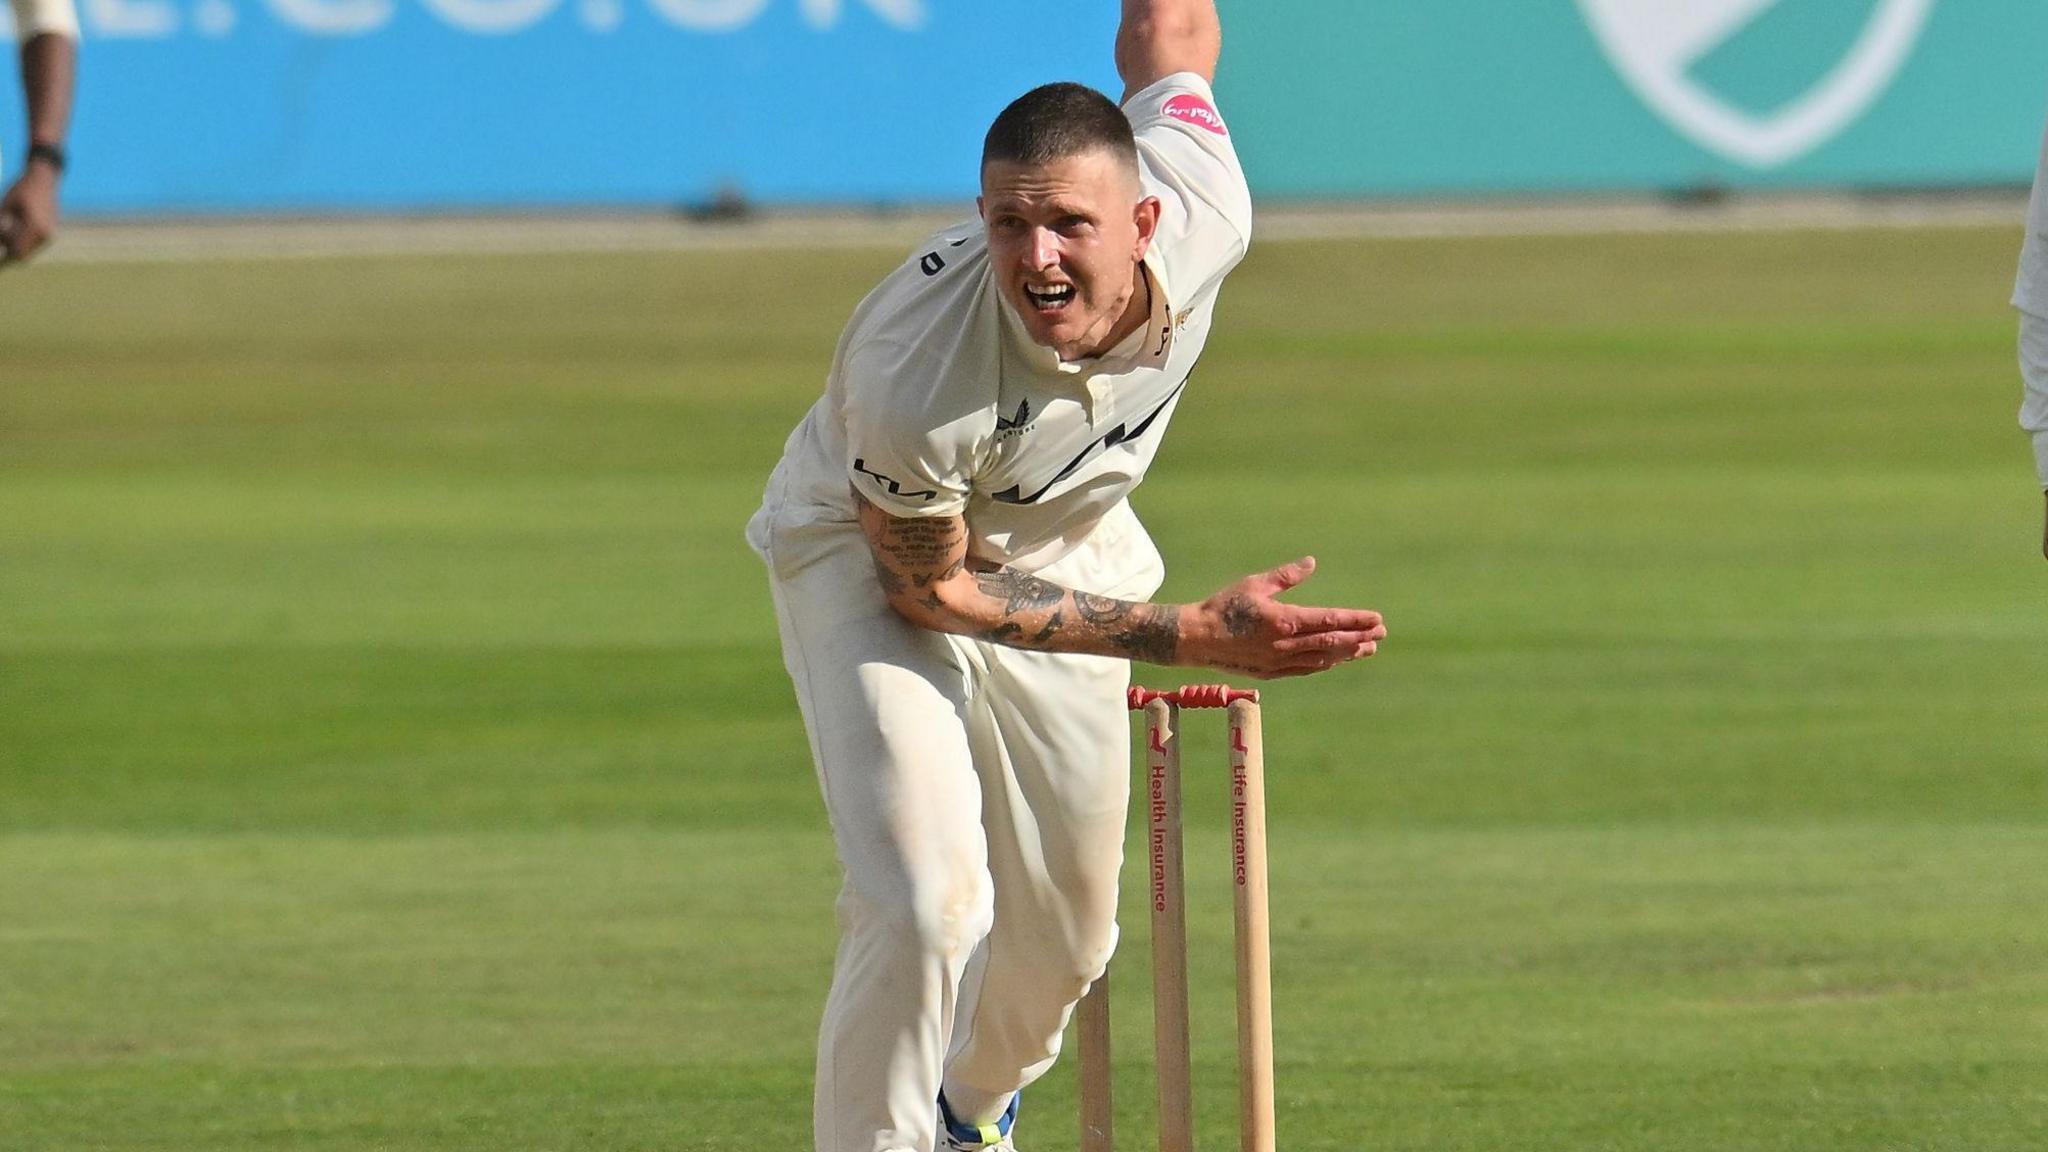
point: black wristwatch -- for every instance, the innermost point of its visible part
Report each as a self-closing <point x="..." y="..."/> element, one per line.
<point x="53" y="154"/>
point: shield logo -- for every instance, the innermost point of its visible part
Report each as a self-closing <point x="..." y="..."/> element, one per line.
<point x="1658" y="47"/>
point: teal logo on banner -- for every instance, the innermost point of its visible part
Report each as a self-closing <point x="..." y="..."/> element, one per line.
<point x="1658" y="46"/>
<point x="1426" y="98"/>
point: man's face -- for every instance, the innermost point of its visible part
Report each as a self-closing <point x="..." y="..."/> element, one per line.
<point x="1065" y="239"/>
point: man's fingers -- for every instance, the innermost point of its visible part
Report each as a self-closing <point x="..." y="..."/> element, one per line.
<point x="1293" y="574"/>
<point x="1330" y="641"/>
<point x="1303" y="621"/>
<point x="1274" y="581"/>
<point x="1322" y="660"/>
<point x="1310" y="668"/>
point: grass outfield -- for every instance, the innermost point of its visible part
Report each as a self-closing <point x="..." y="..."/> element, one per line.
<point x="394" y="753"/>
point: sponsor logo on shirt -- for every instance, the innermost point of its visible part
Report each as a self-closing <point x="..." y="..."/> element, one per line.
<point x="895" y="487"/>
<point x="1197" y="111"/>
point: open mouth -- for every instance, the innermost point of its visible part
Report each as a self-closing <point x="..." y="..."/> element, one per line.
<point x="1050" y="299"/>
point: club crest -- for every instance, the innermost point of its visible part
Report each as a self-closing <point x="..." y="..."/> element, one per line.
<point x="1660" y="46"/>
<point x="1008" y="426"/>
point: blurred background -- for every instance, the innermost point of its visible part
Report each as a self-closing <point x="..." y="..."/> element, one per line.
<point x="296" y="106"/>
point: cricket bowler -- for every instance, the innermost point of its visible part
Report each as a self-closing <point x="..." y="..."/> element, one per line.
<point x="960" y="584"/>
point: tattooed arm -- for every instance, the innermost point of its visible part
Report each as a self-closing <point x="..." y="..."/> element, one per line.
<point x="923" y="568"/>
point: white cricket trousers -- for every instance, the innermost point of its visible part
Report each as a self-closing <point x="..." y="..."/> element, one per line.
<point x="977" y="795"/>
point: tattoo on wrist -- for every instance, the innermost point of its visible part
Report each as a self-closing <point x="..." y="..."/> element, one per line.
<point x="1149" y="632"/>
<point x="1153" y="634"/>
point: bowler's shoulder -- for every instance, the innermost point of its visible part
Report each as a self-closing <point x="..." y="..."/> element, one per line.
<point x="925" y="340"/>
<point x="937" y="285"/>
<point x="1187" y="152"/>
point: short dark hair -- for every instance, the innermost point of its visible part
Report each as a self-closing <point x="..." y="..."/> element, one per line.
<point x="1055" y="121"/>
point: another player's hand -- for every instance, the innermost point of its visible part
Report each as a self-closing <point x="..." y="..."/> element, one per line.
<point x="28" y="214"/>
<point x="1245" y="629"/>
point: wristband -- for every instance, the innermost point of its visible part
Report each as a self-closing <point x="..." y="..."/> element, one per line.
<point x="52" y="154"/>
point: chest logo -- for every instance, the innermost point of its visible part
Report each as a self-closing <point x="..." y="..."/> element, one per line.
<point x="1121" y="434"/>
<point x="1007" y="428"/>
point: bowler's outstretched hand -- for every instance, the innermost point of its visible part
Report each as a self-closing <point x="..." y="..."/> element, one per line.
<point x="1245" y="628"/>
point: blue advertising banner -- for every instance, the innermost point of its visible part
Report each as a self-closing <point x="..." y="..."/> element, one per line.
<point x="367" y="105"/>
<point x="285" y="105"/>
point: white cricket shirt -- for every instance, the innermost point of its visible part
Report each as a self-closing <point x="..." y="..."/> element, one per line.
<point x="938" y="405"/>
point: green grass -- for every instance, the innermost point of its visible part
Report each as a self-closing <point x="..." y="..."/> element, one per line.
<point x="394" y="752"/>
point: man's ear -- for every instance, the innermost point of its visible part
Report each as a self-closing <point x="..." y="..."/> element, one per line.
<point x="981" y="208"/>
<point x="1147" y="218"/>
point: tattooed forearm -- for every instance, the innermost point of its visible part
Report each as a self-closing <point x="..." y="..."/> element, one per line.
<point x="1101" y="610"/>
<point x="1019" y="591"/>
<point x="922" y="567"/>
<point x="1141" y="631"/>
<point x="1153" y="634"/>
<point x="1005" y="633"/>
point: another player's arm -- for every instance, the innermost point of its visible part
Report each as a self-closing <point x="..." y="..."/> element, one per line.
<point x="48" y="31"/>
<point x="1160" y="37"/>
<point x="925" y="574"/>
